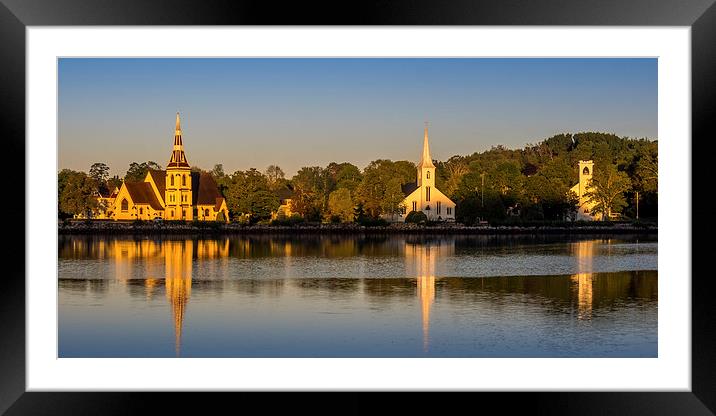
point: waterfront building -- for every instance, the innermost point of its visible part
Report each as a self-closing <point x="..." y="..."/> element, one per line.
<point x="582" y="188"/>
<point x="422" y="195"/>
<point x="176" y="193"/>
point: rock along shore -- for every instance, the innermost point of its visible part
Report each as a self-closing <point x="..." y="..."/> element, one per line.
<point x="178" y="227"/>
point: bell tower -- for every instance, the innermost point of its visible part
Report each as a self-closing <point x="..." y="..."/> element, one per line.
<point x="586" y="170"/>
<point x="177" y="197"/>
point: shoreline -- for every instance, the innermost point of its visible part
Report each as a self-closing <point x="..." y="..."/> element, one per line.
<point x="106" y="227"/>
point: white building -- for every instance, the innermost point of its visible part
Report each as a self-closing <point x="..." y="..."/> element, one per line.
<point x="586" y="170"/>
<point x="423" y="195"/>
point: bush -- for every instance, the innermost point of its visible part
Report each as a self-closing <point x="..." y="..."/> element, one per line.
<point x="289" y="222"/>
<point x="416" y="217"/>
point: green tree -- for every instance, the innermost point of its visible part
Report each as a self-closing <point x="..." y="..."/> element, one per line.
<point x="606" y="190"/>
<point x="137" y="171"/>
<point x="340" y="204"/>
<point x="248" y="193"/>
<point x="78" y="193"/>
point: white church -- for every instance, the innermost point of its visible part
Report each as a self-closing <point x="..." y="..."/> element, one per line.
<point x="423" y="195"/>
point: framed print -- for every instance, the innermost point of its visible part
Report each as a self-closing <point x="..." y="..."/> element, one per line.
<point x="297" y="236"/>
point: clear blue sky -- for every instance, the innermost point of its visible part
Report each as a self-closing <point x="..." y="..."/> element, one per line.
<point x="249" y="112"/>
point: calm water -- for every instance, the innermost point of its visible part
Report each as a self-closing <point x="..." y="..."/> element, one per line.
<point x="387" y="296"/>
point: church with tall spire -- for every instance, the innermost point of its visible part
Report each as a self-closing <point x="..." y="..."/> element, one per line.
<point x="176" y="193"/>
<point x="423" y="195"/>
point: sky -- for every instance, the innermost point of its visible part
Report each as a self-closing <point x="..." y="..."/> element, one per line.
<point x="295" y="112"/>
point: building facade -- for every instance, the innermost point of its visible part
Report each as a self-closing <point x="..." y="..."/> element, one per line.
<point x="422" y="195"/>
<point x="176" y="193"/>
<point x="584" y="210"/>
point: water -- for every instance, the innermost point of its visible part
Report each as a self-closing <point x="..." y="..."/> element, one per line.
<point x="349" y="296"/>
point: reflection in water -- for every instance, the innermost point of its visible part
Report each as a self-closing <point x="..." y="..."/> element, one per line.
<point x="236" y="285"/>
<point x="420" y="259"/>
<point x="584" y="253"/>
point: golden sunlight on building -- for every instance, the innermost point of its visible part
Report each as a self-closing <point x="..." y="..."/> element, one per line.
<point x="581" y="189"/>
<point x="176" y="193"/>
<point x="422" y="195"/>
<point x="584" y="253"/>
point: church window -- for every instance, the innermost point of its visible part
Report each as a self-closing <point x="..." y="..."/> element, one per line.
<point x="428" y="174"/>
<point x="439" y="207"/>
<point x="206" y="212"/>
<point x="172" y="180"/>
<point x="415" y="206"/>
<point x="183" y="180"/>
<point x="427" y="193"/>
<point x="449" y="211"/>
<point x="585" y="171"/>
<point x="125" y="205"/>
<point x="171" y="213"/>
<point x="141" y="210"/>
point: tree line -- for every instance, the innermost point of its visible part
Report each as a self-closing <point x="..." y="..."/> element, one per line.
<point x="500" y="184"/>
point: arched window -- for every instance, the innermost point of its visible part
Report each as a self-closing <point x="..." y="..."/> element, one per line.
<point x="171" y="213"/>
<point x="428" y="174"/>
<point x="141" y="210"/>
<point x="427" y="193"/>
<point x="183" y="180"/>
<point x="125" y="205"/>
<point x="585" y="171"/>
<point x="172" y="180"/>
<point x="206" y="212"/>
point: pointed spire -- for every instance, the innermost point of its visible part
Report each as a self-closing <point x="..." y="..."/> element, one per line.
<point x="178" y="158"/>
<point x="426" y="161"/>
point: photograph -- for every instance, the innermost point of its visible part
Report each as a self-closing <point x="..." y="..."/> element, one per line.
<point x="357" y="207"/>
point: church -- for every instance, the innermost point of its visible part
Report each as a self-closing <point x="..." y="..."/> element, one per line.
<point x="422" y="195"/>
<point x="584" y="210"/>
<point x="176" y="193"/>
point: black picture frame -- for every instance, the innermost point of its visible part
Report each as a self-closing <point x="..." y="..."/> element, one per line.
<point x="700" y="15"/>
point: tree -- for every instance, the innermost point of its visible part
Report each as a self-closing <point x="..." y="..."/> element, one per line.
<point x="606" y="190"/>
<point x="275" y="175"/>
<point x="99" y="172"/>
<point x="78" y="193"/>
<point x="137" y="171"/>
<point x="248" y="193"/>
<point x="340" y="204"/>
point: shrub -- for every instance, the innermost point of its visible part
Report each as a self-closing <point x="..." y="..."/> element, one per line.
<point x="416" y="217"/>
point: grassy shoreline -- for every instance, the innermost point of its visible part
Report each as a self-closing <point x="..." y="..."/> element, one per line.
<point x="180" y="227"/>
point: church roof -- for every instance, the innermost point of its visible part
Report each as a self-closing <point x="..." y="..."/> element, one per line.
<point x="409" y="188"/>
<point x="204" y="189"/>
<point x="425" y="160"/>
<point x="142" y="193"/>
<point x="160" y="179"/>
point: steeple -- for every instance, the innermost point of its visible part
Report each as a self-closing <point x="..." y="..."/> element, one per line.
<point x="178" y="158"/>
<point x="426" y="161"/>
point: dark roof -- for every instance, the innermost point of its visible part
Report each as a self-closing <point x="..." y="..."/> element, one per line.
<point x="408" y="188"/>
<point x="285" y="193"/>
<point x="204" y="189"/>
<point x="219" y="201"/>
<point x="142" y="193"/>
<point x="160" y="179"/>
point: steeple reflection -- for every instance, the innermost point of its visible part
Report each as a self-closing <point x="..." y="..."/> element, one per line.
<point x="421" y="259"/>
<point x="178" y="260"/>
<point x="584" y="252"/>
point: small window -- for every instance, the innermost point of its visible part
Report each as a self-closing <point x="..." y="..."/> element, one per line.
<point x="449" y="211"/>
<point x="125" y="205"/>
<point x="183" y="180"/>
<point x="439" y="207"/>
<point x="141" y="211"/>
<point x="428" y="175"/>
<point x="427" y="193"/>
<point x="415" y="206"/>
<point x="585" y="171"/>
<point x="206" y="212"/>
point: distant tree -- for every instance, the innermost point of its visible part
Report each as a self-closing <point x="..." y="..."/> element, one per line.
<point x="114" y="182"/>
<point x="248" y="193"/>
<point x="137" y="171"/>
<point x="218" y="171"/>
<point x="99" y="172"/>
<point x="606" y="190"/>
<point x="274" y="174"/>
<point x="78" y="193"/>
<point x="340" y="204"/>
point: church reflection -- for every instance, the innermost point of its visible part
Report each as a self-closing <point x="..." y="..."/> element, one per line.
<point x="584" y="252"/>
<point x="421" y="259"/>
